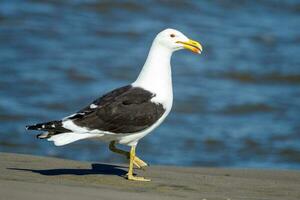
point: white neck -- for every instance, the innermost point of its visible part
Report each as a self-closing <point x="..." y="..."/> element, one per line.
<point x="156" y="74"/>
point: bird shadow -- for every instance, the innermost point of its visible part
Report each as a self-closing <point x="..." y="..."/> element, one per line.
<point x="96" y="168"/>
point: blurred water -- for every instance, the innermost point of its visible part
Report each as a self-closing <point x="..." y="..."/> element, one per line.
<point x="236" y="105"/>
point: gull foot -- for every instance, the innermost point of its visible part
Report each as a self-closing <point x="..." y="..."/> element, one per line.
<point x="139" y="163"/>
<point x="137" y="178"/>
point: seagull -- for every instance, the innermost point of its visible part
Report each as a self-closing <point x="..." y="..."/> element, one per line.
<point x="126" y="114"/>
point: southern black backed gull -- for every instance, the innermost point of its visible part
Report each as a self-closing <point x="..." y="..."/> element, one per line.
<point x="126" y="114"/>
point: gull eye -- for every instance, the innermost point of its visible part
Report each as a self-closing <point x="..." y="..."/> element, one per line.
<point x="172" y="35"/>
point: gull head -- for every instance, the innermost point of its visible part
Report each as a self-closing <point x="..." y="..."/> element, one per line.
<point x="175" y="40"/>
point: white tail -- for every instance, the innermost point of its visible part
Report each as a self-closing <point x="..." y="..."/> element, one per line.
<point x="67" y="138"/>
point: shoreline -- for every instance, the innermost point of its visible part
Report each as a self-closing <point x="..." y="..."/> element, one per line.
<point x="35" y="177"/>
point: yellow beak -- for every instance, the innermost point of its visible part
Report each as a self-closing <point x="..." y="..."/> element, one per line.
<point x="192" y="45"/>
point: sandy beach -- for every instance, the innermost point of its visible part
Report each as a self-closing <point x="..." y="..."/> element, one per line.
<point x="31" y="177"/>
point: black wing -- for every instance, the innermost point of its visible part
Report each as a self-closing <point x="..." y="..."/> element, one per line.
<point x="124" y="110"/>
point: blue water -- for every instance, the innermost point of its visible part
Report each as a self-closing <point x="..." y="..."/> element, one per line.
<point x="236" y="105"/>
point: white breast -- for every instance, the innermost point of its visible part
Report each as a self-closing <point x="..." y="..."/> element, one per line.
<point x="155" y="77"/>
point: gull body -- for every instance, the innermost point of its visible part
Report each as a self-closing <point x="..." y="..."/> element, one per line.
<point x="126" y="114"/>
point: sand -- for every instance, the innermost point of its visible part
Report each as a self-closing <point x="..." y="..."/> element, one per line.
<point x="35" y="178"/>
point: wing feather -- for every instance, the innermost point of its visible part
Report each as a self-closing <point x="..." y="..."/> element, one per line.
<point x="124" y="110"/>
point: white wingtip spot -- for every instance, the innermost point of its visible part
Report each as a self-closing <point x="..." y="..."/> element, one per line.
<point x="53" y="125"/>
<point x="43" y="126"/>
<point x="92" y="106"/>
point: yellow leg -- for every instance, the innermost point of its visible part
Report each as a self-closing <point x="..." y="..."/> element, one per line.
<point x="113" y="148"/>
<point x="130" y="170"/>
<point x="139" y="163"/>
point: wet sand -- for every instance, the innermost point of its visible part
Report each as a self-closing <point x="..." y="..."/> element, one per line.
<point x="30" y="177"/>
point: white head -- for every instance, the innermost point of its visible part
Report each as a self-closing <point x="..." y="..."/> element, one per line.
<point x="156" y="73"/>
<point x="175" y="40"/>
